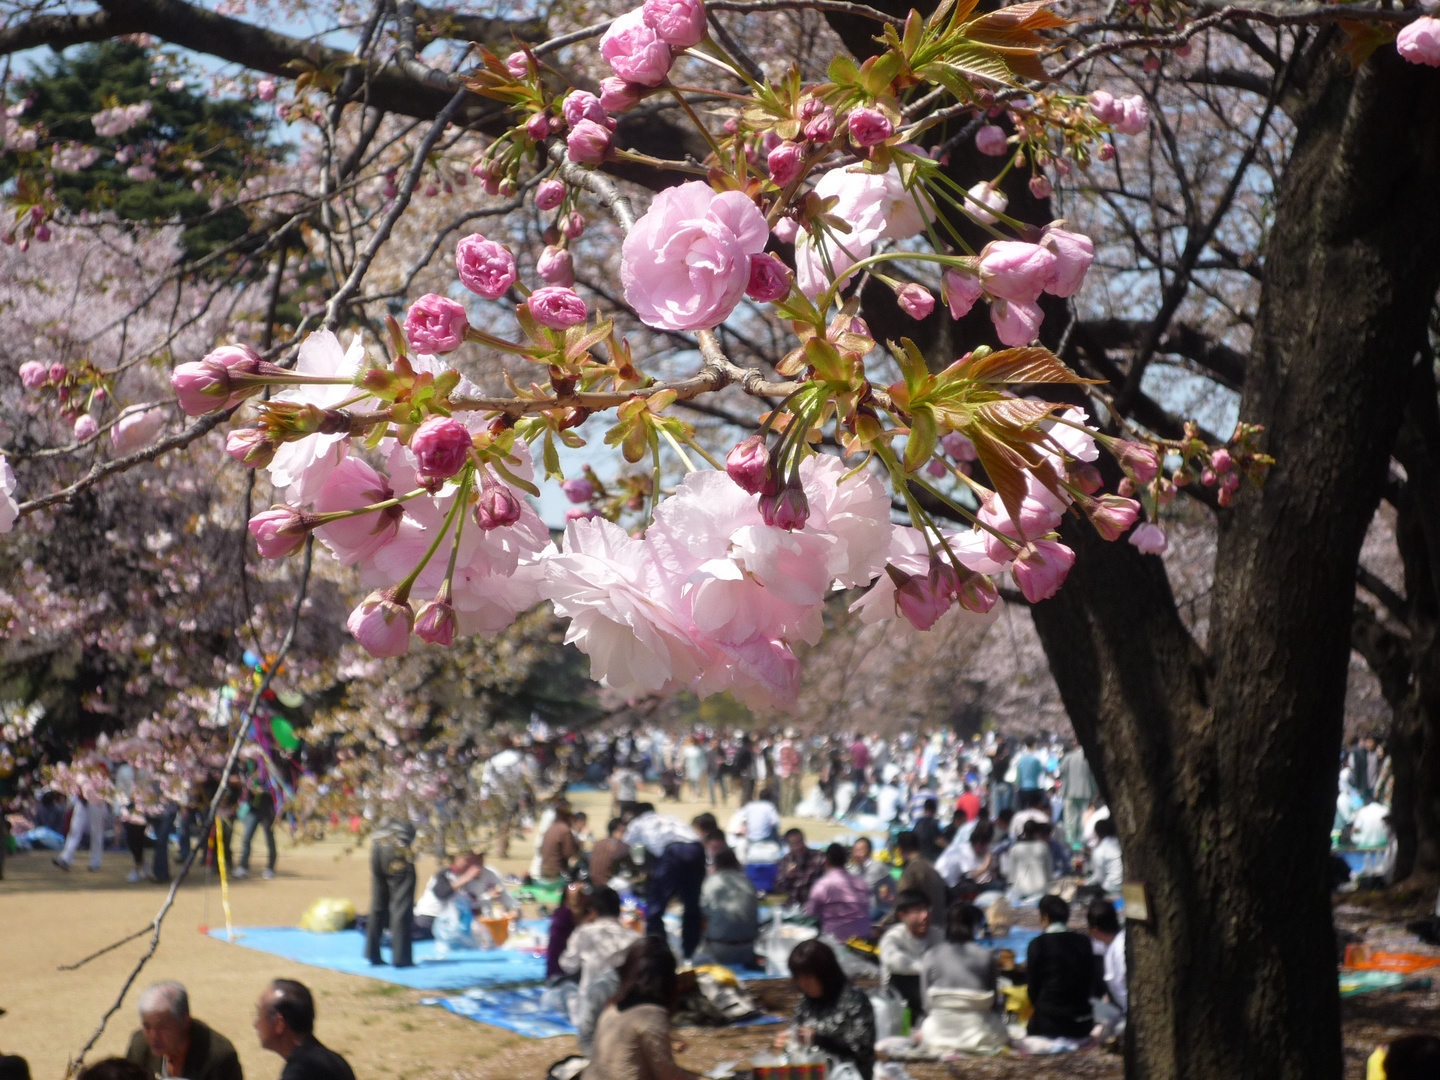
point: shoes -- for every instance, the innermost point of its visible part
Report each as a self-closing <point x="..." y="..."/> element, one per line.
<point x="268" y="875"/>
<point x="93" y="869"/>
<point x="240" y="872"/>
<point x="58" y="861"/>
<point x="134" y="876"/>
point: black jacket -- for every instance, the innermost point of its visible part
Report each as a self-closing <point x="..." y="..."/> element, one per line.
<point x="1061" y="974"/>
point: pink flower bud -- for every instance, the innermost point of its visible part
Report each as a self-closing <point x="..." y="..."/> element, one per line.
<point x="381" y="625"/>
<point x="618" y="96"/>
<point x="1225" y="496"/>
<point x="978" y="594"/>
<point x="58" y="372"/>
<point x="983" y="198"/>
<point x="784" y="163"/>
<point x="1127" y="486"/>
<point x="1016" y="324"/>
<point x="1073" y="253"/>
<point x="518" y="64"/>
<point x="1230" y="482"/>
<point x="786" y="230"/>
<point x="211" y="384"/>
<point x="583" y="105"/>
<point x="787" y="508"/>
<point x="573" y="225"/>
<point x="33" y="374"/>
<point x="1112" y="515"/>
<point x="769" y="279"/>
<point x="279" y="531"/>
<point x="678" y="23"/>
<point x="498" y="506"/>
<point x="549" y="194"/>
<point x="634" y="51"/>
<point x="1086" y="477"/>
<point x="485" y="268"/>
<point x="441" y="445"/>
<point x="960" y="292"/>
<point x="1221" y="461"/>
<point x="958" y="447"/>
<point x="435" y="622"/>
<point x="587" y="143"/>
<point x="992" y="141"/>
<point x="1041" y="569"/>
<point x="86" y="427"/>
<point x="1149" y="539"/>
<point x="1139" y="460"/>
<point x="869" y="126"/>
<point x="821" y="127"/>
<point x="556" y="266"/>
<point x="1011" y="270"/>
<point x="538" y="127"/>
<point x="1132" y="115"/>
<point x="922" y="598"/>
<point x="577" y="513"/>
<point x="937" y="469"/>
<point x="578" y="490"/>
<point x="251" y="447"/>
<point x="915" y="300"/>
<point x="436" y="324"/>
<point x="748" y="464"/>
<point x="1106" y="152"/>
<point x="1207" y="477"/>
<point x="557" y="307"/>
<point x="1041" y="187"/>
<point x="265" y="89"/>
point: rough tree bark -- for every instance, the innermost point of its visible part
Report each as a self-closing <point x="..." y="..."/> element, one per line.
<point x="1220" y="761"/>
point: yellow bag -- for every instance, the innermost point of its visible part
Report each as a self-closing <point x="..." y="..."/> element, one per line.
<point x="721" y="974"/>
<point x="327" y="916"/>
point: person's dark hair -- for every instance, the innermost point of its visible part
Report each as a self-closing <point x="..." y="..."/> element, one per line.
<point x="644" y="808"/>
<point x="647" y="976"/>
<point x="578" y="815"/>
<point x="1004" y="817"/>
<point x="1413" y="1057"/>
<point x="713" y="836"/>
<point x="817" y="959"/>
<point x="869" y="844"/>
<point x="983" y="832"/>
<point x="1031" y="831"/>
<point x="794" y="832"/>
<point x="725" y="859"/>
<point x="605" y="902"/>
<point x="1029" y="742"/>
<point x="1100" y="915"/>
<point x="836" y="856"/>
<point x="768" y="795"/>
<point x="931" y="805"/>
<point x="906" y="842"/>
<point x="13" y="1066"/>
<point x="960" y="922"/>
<point x="291" y="1001"/>
<point x="948" y="832"/>
<point x="1105" y="828"/>
<point x="705" y="823"/>
<point x="910" y="899"/>
<point x="1054" y="909"/>
<point x="615" y="823"/>
<point x="115" y="1068"/>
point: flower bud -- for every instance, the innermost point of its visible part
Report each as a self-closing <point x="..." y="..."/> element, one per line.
<point x="960" y="292"/>
<point x="382" y="625"/>
<point x="784" y="163"/>
<point x="1112" y="515"/>
<point x="518" y="64"/>
<point x="435" y="621"/>
<point x="572" y="226"/>
<point x="959" y="447"/>
<point x="869" y="127"/>
<point x="992" y="141"/>
<point x="58" y="372"/>
<point x="915" y="300"/>
<point x="557" y="307"/>
<point x="678" y="23"/>
<point x="922" y="598"/>
<point x="769" y="279"/>
<point x="786" y="509"/>
<point x="1041" y="569"/>
<point x="549" y="194"/>
<point x="280" y="531"/>
<point x="498" y="506"/>
<point x="1221" y="461"/>
<point x="251" y="447"/>
<point x="1149" y="538"/>
<point x="436" y="324"/>
<point x="556" y="266"/>
<point x="1041" y="187"/>
<point x="748" y="464"/>
<point x="617" y="95"/>
<point x="1139" y="460"/>
<point x="1087" y="478"/>
<point x="33" y="374"/>
<point x="85" y="427"/>
<point x="538" y="127"/>
<point x="485" y="267"/>
<point x="821" y="127"/>
<point x="441" y="445"/>
<point x="587" y="143"/>
<point x="583" y="105"/>
<point x="579" y="490"/>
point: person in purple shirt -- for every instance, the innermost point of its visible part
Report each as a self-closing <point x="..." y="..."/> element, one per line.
<point x="562" y="924"/>
<point x="840" y="899"/>
<point x="859" y="759"/>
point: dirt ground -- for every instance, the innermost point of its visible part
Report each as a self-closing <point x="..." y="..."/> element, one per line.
<point x="49" y="917"/>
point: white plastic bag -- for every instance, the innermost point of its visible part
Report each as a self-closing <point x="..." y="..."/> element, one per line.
<point x="889" y="1009"/>
<point x="456" y="928"/>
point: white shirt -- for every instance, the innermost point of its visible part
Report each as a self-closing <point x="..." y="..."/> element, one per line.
<point x="957" y="859"/>
<point x="595" y="947"/>
<point x="1018" y="822"/>
<point x="887" y="802"/>
<point x="760" y="818"/>
<point x="476" y="891"/>
<point x="901" y="951"/>
<point x="1115" y="971"/>
<point x="1369" y="829"/>
<point x="1106" y="867"/>
<point x="656" y="832"/>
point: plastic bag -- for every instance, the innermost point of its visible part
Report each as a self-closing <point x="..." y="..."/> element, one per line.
<point x="889" y="1008"/>
<point x="455" y="928"/>
<point x="328" y="916"/>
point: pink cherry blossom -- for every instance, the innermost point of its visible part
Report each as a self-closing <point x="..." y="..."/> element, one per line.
<point x="1012" y="270"/>
<point x="279" y="532"/>
<point x="1016" y="323"/>
<point x="634" y="51"/>
<point x="436" y="324"/>
<point x="678" y="23"/>
<point x="875" y="206"/>
<point x="441" y="446"/>
<point x="549" y="194"/>
<point x="909" y="556"/>
<point x="992" y="140"/>
<point x="1419" y="42"/>
<point x="136" y="428"/>
<point x="1149" y="538"/>
<point x="686" y="263"/>
<point x="33" y="374"/>
<point x="583" y="105"/>
<point x="1073" y="253"/>
<point x="382" y="625"/>
<point x="351" y="485"/>
<point x="784" y="163"/>
<point x="485" y="267"/>
<point x="557" y="307"/>
<point x="618" y="96"/>
<point x="1042" y="569"/>
<point x="916" y="300"/>
<point x="960" y="292"/>
<point x="769" y="279"/>
<point x="86" y="427"/>
<point x="869" y="126"/>
<point x="556" y="266"/>
<point x="301" y="467"/>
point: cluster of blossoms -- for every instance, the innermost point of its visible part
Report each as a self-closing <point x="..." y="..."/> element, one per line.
<point x="121" y="118"/>
<point x="1419" y="42"/>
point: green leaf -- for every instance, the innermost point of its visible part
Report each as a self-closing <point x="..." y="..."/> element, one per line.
<point x="843" y="71"/>
<point x="921" y="444"/>
<point x="510" y="477"/>
<point x="551" y="457"/>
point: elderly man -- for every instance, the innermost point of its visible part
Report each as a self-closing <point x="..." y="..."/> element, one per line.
<point x="285" y="1021"/>
<point x="171" y="1042"/>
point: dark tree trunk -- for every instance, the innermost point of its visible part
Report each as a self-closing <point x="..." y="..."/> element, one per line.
<point x="1221" y="767"/>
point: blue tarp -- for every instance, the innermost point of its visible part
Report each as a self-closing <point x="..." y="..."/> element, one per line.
<point x="519" y="1010"/>
<point x="345" y="951"/>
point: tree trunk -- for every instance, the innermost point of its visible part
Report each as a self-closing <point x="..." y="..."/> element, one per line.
<point x="1221" y="769"/>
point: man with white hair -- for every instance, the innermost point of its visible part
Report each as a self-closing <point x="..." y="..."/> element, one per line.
<point x="171" y="1042"/>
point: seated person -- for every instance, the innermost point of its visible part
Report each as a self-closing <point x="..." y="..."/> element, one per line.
<point x="1032" y="866"/>
<point x="876" y="874"/>
<point x="757" y="819"/>
<point x="1062" y="976"/>
<point x="1107" y="869"/>
<point x="840" y="899"/>
<point x="1107" y="933"/>
<point x="968" y="860"/>
<point x="798" y="869"/>
<point x="957" y="981"/>
<point x="919" y="873"/>
<point x="559" y="847"/>
<point x="903" y="948"/>
<point x="466" y="876"/>
<point x="611" y="857"/>
<point x="732" y="913"/>
<point x="171" y="1042"/>
<point x="572" y="909"/>
<point x="632" y="1035"/>
<point x="600" y="938"/>
<point x="833" y="1015"/>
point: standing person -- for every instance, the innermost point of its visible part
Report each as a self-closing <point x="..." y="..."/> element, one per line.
<point x="717" y="766"/>
<point x="1061" y="975"/>
<point x="919" y="874"/>
<point x="558" y="847"/>
<point x="859" y="760"/>
<point x="732" y="912"/>
<point x="693" y="761"/>
<point x="840" y="900"/>
<point x="171" y="1042"/>
<point x="743" y="769"/>
<point x="1028" y="771"/>
<point x="788" y="772"/>
<point x="903" y="948"/>
<point x="1002" y="791"/>
<point x="285" y="1022"/>
<point x="833" y="1014"/>
<point x="87" y="814"/>
<point x="678" y="870"/>
<point x="1077" y="789"/>
<point x="261" y="802"/>
<point x="392" y="891"/>
<point x="927" y="829"/>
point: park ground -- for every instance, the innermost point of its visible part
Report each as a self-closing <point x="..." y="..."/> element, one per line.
<point x="49" y="918"/>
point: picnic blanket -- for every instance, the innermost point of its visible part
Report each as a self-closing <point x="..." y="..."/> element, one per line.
<point x="345" y="952"/>
<point x="519" y="1010"/>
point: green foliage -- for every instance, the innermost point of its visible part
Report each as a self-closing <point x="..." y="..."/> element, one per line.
<point x="227" y="137"/>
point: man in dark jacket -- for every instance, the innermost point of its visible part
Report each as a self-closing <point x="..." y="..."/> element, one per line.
<point x="392" y="891"/>
<point x="171" y="1042"/>
<point x="285" y="1021"/>
<point x="1061" y="974"/>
